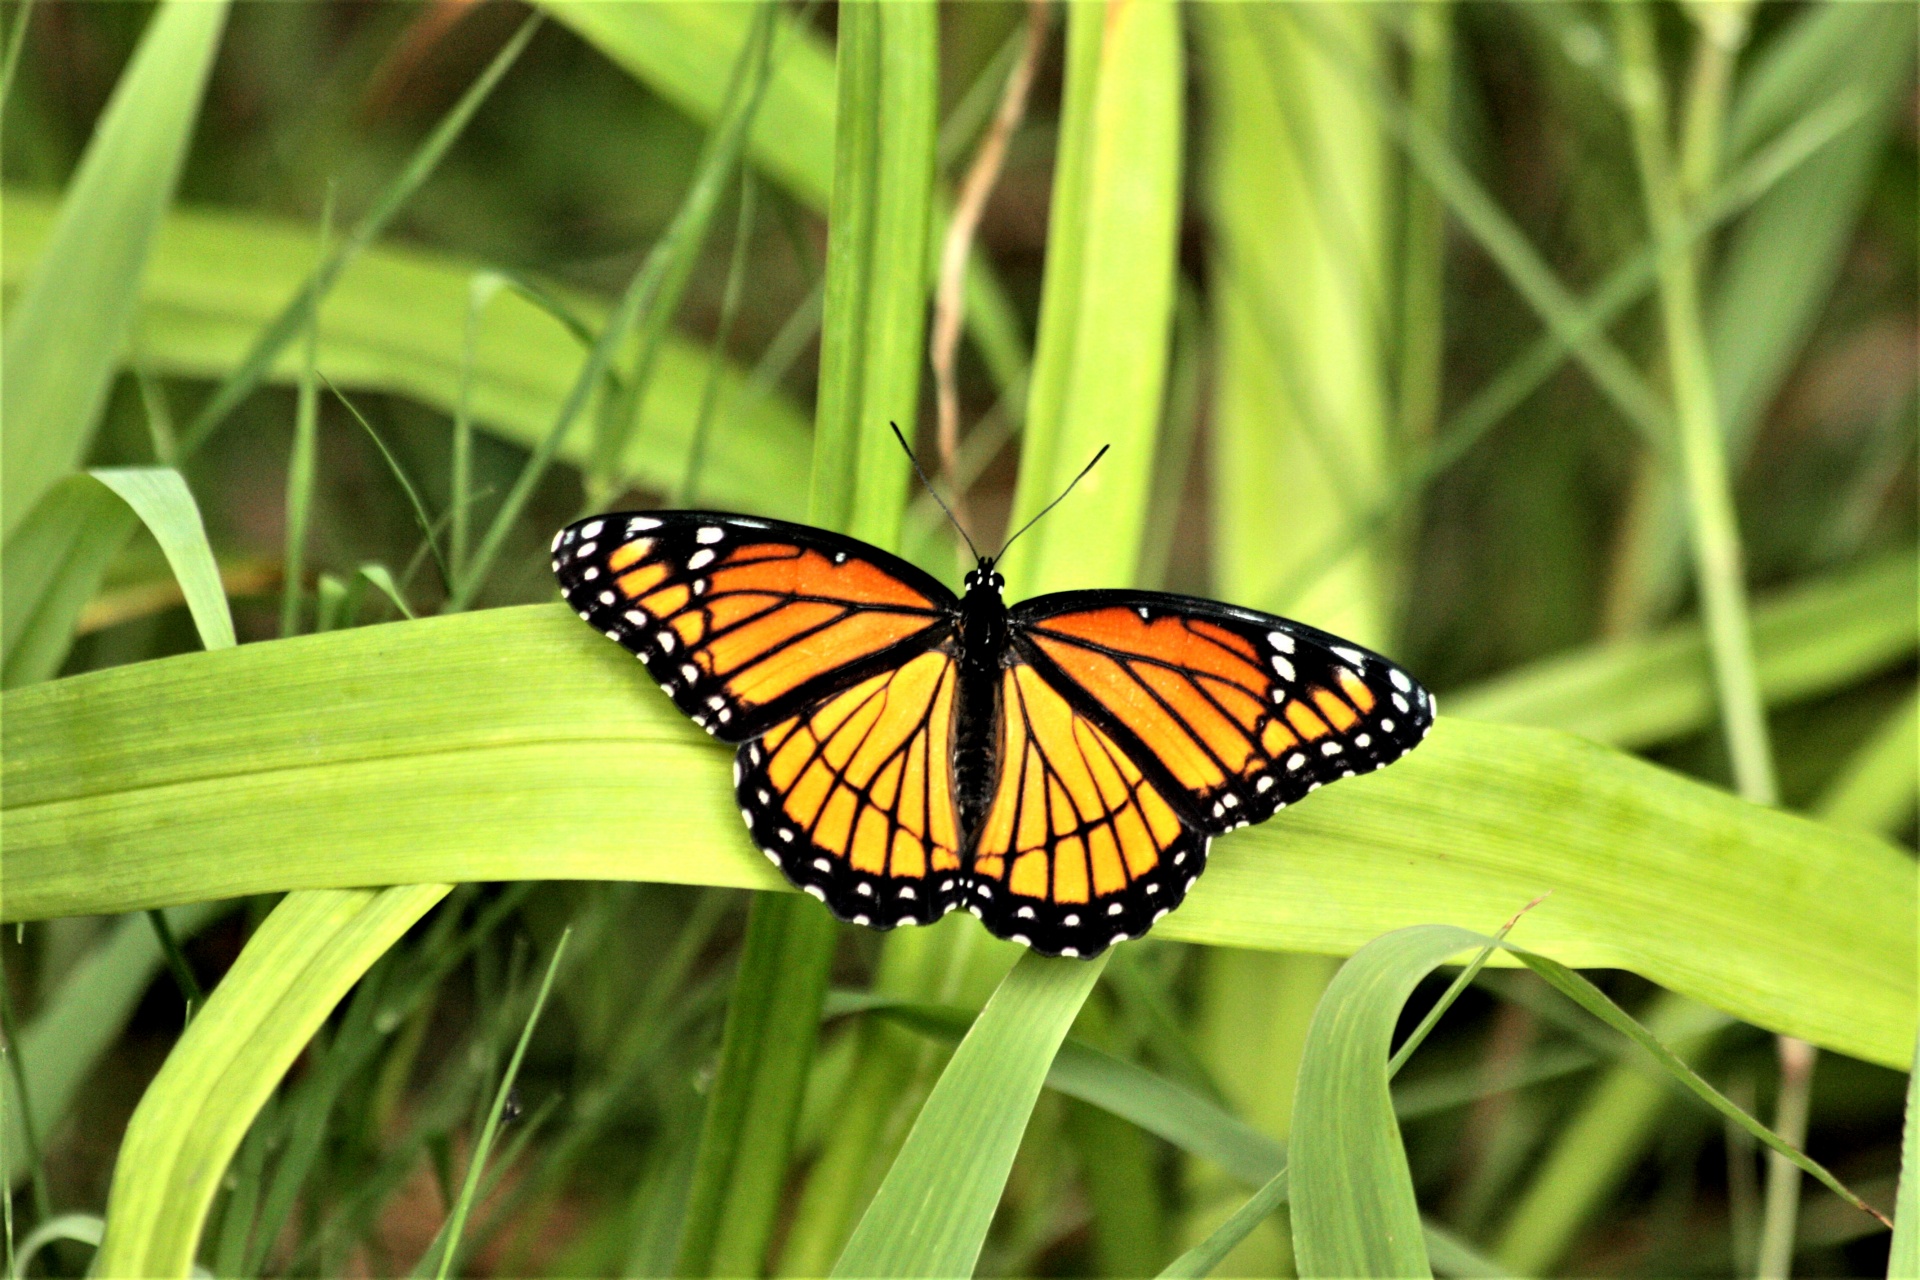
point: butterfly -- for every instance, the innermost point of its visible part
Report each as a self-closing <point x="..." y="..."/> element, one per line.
<point x="1057" y="767"/>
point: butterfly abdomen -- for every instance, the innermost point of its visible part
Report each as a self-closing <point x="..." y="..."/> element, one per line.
<point x="982" y="636"/>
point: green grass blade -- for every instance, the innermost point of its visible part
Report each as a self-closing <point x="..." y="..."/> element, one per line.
<point x="1225" y="1238"/>
<point x="1297" y="189"/>
<point x="1483" y="219"/>
<point x="741" y="1170"/>
<point x="682" y="52"/>
<point x="1785" y="922"/>
<point x="303" y="461"/>
<point x="83" y="1018"/>
<point x="671" y="261"/>
<point x="1596" y="1148"/>
<point x="293" y="971"/>
<point x="876" y="288"/>
<point x="395" y="322"/>
<point x="272" y="339"/>
<point x="1353" y="1208"/>
<point x="1903" y="1259"/>
<point x="1106" y="312"/>
<point x="483" y="1145"/>
<point x="51" y="567"/>
<point x="931" y="1214"/>
<point x="1593" y="1000"/>
<point x="64" y="336"/>
<point x="1811" y="638"/>
<point x="1877" y="787"/>
<point x="159" y="496"/>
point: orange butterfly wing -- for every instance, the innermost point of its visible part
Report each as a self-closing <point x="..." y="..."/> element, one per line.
<point x="1235" y="714"/>
<point x="829" y="661"/>
<point x="1079" y="848"/>
<point x="744" y="622"/>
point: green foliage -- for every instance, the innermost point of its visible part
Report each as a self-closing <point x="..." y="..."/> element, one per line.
<point x="1381" y="289"/>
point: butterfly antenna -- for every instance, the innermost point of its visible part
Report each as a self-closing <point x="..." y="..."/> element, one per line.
<point x="935" y="492"/>
<point x="1057" y="501"/>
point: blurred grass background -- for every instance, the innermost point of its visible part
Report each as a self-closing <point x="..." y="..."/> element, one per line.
<point x="1338" y="404"/>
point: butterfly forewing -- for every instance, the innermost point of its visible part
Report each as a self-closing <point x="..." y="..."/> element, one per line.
<point x="744" y="622"/>
<point x="1079" y="848"/>
<point x="1238" y="714"/>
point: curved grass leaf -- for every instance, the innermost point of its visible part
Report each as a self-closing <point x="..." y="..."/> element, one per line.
<point x="159" y="496"/>
<point x="395" y="321"/>
<point x="304" y="957"/>
<point x="1353" y="1208"/>
<point x="449" y="749"/>
<point x="65" y="335"/>
<point x="931" y="1214"/>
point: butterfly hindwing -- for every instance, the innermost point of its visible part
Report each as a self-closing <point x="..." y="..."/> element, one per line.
<point x="853" y="798"/>
<point x="1237" y="714"/>
<point x="742" y="621"/>
<point x="1079" y="849"/>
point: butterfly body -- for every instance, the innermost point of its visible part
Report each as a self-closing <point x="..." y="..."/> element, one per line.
<point x="1057" y="768"/>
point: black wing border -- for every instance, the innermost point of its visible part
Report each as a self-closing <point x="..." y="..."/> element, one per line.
<point x="680" y="525"/>
<point x="1037" y="609"/>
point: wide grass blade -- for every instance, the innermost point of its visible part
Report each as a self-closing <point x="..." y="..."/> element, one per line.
<point x="395" y="322"/>
<point x="931" y="1214"/>
<point x="159" y="496"/>
<point x="1106" y="310"/>
<point x="64" y="336"/>
<point x="293" y="971"/>
<point x="440" y="760"/>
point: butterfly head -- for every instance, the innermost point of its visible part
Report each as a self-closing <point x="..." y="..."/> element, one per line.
<point x="983" y="577"/>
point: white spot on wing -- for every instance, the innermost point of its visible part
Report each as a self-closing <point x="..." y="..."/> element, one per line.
<point x="708" y="535"/>
<point x="700" y="559"/>
<point x="1283" y="668"/>
<point x="1281" y="641"/>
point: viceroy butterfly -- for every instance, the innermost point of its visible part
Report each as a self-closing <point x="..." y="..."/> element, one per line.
<point x="1057" y="768"/>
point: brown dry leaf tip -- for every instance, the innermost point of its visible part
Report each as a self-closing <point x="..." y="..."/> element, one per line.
<point x="981" y="177"/>
<point x="1514" y="919"/>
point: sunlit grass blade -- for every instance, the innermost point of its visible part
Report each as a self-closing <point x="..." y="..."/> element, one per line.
<point x="1811" y="638"/>
<point x="1787" y="923"/>
<point x="159" y="496"/>
<point x="1903" y="1259"/>
<point x="1589" y="997"/>
<point x="1106" y="311"/>
<point x="395" y="322"/>
<point x="286" y="325"/>
<point x="1876" y="788"/>
<point x="294" y="970"/>
<point x="931" y="1214"/>
<point x="64" y="335"/>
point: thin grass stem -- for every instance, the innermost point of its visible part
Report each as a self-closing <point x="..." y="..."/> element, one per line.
<point x="303" y="464"/>
<point x="476" y="1164"/>
<point x="723" y="333"/>
<point x="176" y="959"/>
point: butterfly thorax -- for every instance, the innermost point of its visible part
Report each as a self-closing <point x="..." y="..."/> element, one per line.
<point x="976" y="722"/>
